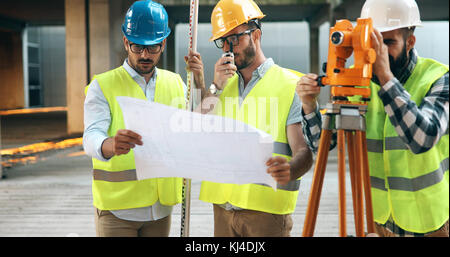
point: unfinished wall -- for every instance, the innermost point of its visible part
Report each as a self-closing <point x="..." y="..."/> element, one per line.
<point x="76" y="63"/>
<point x="99" y="40"/>
<point x="11" y="70"/>
<point x="53" y="65"/>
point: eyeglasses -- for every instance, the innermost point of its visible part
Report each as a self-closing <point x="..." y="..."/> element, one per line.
<point x="139" y="49"/>
<point x="234" y="39"/>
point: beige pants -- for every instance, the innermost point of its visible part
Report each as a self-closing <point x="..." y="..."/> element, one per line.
<point x="248" y="223"/>
<point x="383" y="232"/>
<point x="108" y="225"/>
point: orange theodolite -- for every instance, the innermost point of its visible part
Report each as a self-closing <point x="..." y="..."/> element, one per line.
<point x="345" y="40"/>
<point x="346" y="116"/>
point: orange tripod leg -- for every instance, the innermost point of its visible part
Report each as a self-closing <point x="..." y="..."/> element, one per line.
<point x="317" y="182"/>
<point x="367" y="187"/>
<point x="359" y="212"/>
<point x="352" y="165"/>
<point x="341" y="178"/>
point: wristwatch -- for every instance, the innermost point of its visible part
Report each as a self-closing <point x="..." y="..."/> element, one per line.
<point x="214" y="90"/>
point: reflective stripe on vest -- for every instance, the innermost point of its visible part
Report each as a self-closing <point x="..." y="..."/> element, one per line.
<point x="410" y="188"/>
<point x="282" y="148"/>
<point x="257" y="109"/>
<point x="391" y="143"/>
<point x="115" y="185"/>
<point x="291" y="186"/>
<point x="412" y="184"/>
<point x="130" y="175"/>
<point x="115" y="176"/>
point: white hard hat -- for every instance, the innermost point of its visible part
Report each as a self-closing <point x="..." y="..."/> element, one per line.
<point x="391" y="14"/>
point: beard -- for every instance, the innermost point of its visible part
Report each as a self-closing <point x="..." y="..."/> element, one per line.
<point x="399" y="63"/>
<point x="143" y="66"/>
<point x="248" y="56"/>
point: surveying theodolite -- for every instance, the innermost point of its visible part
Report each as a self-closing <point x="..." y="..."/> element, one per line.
<point x="347" y="117"/>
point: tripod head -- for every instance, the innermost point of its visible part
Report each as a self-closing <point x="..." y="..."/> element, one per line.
<point x="345" y="40"/>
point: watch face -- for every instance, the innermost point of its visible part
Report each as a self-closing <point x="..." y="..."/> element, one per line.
<point x="212" y="89"/>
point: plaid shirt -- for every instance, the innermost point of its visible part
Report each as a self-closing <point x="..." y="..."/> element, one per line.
<point x="420" y="127"/>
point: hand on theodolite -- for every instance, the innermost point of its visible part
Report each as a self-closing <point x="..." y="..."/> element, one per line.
<point x="381" y="67"/>
<point x="308" y="89"/>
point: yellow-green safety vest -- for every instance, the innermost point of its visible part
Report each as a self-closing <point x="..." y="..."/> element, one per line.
<point x="266" y="107"/>
<point x="410" y="188"/>
<point x="115" y="185"/>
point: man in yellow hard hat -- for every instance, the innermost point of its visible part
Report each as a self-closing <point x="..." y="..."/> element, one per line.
<point x="407" y="125"/>
<point x="251" y="88"/>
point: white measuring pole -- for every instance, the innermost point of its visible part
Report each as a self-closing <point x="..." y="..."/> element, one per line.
<point x="193" y="28"/>
<point x="186" y="205"/>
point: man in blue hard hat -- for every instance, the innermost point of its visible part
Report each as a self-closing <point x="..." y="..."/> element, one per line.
<point x="124" y="205"/>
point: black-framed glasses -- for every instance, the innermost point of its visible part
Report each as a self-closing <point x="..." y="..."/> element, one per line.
<point x="234" y="39"/>
<point x="139" y="49"/>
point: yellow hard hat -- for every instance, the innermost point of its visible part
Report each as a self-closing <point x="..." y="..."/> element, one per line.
<point x="228" y="14"/>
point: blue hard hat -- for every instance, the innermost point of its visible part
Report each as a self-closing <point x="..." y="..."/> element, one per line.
<point x="146" y="23"/>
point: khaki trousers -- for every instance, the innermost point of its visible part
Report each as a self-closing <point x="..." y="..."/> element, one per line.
<point x="248" y="223"/>
<point x="108" y="225"/>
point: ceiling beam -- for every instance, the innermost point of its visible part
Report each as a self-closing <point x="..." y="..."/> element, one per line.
<point x="9" y="24"/>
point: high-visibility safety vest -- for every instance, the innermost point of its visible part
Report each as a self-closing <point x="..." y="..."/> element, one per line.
<point x="266" y="107"/>
<point x="115" y="185"/>
<point x="412" y="188"/>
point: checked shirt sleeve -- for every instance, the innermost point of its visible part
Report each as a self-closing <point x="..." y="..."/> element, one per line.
<point x="420" y="127"/>
<point x="312" y="128"/>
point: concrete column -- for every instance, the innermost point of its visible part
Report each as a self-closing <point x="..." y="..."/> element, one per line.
<point x="322" y="16"/>
<point x="314" y="65"/>
<point x="11" y="70"/>
<point x="117" y="11"/>
<point x="99" y="40"/>
<point x="76" y="63"/>
<point x="167" y="60"/>
<point x="1" y="167"/>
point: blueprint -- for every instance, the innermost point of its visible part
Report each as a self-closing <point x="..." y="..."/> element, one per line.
<point x="178" y="143"/>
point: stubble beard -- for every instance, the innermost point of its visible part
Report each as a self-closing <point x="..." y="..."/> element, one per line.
<point x="249" y="54"/>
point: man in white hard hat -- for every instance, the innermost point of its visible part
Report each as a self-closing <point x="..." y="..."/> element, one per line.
<point x="407" y="125"/>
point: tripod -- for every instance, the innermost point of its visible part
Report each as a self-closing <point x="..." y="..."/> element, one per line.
<point x="347" y="118"/>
